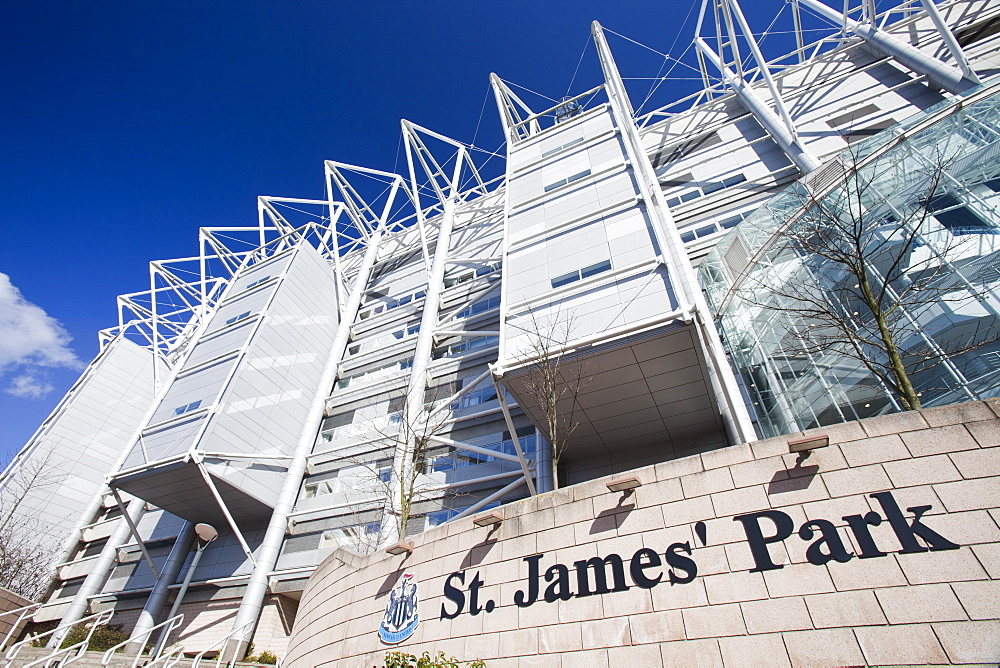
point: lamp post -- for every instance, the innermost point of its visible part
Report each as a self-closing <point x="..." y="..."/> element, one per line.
<point x="205" y="534"/>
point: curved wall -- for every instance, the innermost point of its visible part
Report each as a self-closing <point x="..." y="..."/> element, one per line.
<point x="882" y="548"/>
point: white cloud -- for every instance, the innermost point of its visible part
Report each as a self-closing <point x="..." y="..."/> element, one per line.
<point x="29" y="386"/>
<point x="30" y="342"/>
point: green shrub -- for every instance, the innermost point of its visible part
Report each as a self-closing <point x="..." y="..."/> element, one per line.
<point x="404" y="660"/>
<point x="103" y="638"/>
<point x="267" y="657"/>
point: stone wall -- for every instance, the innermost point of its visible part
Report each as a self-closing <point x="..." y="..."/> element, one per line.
<point x="10" y="601"/>
<point x="705" y="575"/>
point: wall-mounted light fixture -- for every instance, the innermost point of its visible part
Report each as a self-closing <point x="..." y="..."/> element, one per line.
<point x="488" y="520"/>
<point x="808" y="443"/>
<point x="400" y="548"/>
<point x="623" y="484"/>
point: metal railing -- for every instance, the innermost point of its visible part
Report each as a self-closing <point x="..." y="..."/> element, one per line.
<point x="64" y="655"/>
<point x="222" y="646"/>
<point x="168" y="626"/>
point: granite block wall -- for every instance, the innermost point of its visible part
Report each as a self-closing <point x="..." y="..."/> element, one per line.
<point x="9" y="601"/>
<point x="881" y="548"/>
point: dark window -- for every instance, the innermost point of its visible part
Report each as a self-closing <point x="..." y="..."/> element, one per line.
<point x="978" y="31"/>
<point x="574" y="276"/>
<point x="871" y="130"/>
<point x="852" y="116"/>
<point x="565" y="279"/>
<point x="593" y="269"/>
<point x="338" y="420"/>
<point x="959" y="219"/>
<point x="181" y="410"/>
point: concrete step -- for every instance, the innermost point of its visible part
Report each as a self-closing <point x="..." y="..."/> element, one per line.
<point x="88" y="660"/>
<point x="93" y="660"/>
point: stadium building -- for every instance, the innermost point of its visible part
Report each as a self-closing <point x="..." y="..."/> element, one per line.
<point x="369" y="370"/>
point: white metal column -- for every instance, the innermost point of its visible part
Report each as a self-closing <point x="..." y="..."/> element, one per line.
<point x="736" y="416"/>
<point x="939" y="73"/>
<point x="100" y="570"/>
<point x="270" y="547"/>
<point x="168" y="575"/>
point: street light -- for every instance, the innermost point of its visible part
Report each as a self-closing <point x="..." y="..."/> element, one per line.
<point x="205" y="533"/>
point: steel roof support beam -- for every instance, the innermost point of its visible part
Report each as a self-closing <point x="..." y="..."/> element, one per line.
<point x="225" y="511"/>
<point x="99" y="571"/>
<point x="502" y="397"/>
<point x="158" y="596"/>
<point x="940" y="74"/>
<point x="775" y="126"/>
<point x="510" y="107"/>
<point x="673" y="256"/>
<point x="270" y="547"/>
<point x="949" y="40"/>
<point x="415" y="418"/>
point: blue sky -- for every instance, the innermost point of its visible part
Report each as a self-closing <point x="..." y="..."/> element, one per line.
<point x="128" y="125"/>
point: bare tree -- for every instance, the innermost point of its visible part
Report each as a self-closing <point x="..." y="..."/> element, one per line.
<point x="409" y="439"/>
<point x="867" y="265"/>
<point x="26" y="548"/>
<point x="408" y="484"/>
<point x="553" y="383"/>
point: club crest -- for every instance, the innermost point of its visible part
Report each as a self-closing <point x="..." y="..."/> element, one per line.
<point x="400" y="619"/>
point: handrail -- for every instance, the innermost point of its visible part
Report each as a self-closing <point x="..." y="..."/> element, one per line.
<point x="80" y="647"/>
<point x="222" y="646"/>
<point x="170" y="658"/>
<point x="141" y="640"/>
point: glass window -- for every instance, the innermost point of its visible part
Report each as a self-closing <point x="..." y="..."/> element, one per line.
<point x="565" y="279"/>
<point x="187" y="408"/>
<point x="957" y="218"/>
<point x="733" y="180"/>
<point x="239" y="317"/>
<point x="553" y="186"/>
<point x="593" y="269"/>
<point x="559" y="148"/>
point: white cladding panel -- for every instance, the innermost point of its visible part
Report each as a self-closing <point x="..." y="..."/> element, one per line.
<point x="84" y="438"/>
<point x="254" y="399"/>
<point x="202" y="386"/>
<point x="266" y="401"/>
<point x="581" y="258"/>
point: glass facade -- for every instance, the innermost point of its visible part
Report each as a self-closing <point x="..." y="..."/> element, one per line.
<point x="907" y="221"/>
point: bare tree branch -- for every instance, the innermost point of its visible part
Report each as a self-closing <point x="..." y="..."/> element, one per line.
<point x="863" y="263"/>
<point x="554" y="384"/>
<point x="26" y="547"/>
